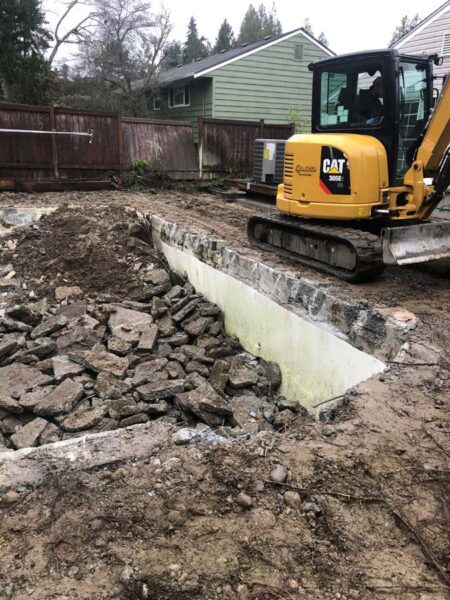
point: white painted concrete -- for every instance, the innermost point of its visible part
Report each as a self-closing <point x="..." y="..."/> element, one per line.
<point x="315" y="364"/>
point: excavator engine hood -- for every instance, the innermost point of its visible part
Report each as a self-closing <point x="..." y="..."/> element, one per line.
<point x="332" y="176"/>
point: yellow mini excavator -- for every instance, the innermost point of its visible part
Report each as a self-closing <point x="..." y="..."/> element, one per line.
<point x="366" y="180"/>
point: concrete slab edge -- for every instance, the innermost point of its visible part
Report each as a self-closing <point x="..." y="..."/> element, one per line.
<point x="372" y="330"/>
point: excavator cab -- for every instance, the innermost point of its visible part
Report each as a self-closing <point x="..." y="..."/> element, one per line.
<point x="383" y="94"/>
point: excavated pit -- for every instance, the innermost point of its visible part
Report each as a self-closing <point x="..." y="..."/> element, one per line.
<point x="263" y="310"/>
<point x="112" y="319"/>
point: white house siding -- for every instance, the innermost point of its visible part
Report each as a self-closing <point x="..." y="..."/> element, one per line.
<point x="428" y="38"/>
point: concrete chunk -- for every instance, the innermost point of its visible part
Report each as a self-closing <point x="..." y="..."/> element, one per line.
<point x="50" y="434"/>
<point x="29" y="400"/>
<point x="242" y="375"/>
<point x="23" y="313"/>
<point x="129" y="324"/>
<point x="134" y="420"/>
<point x="148" y="339"/>
<point x="10" y="425"/>
<point x="10" y="405"/>
<point x="28" y="435"/>
<point x="146" y="371"/>
<point x="8" y="347"/>
<point x="61" y="400"/>
<point x="160" y="389"/>
<point x="64" y="367"/>
<point x="18" y="379"/>
<point x="49" y="326"/>
<point x="98" y="359"/>
<point x="79" y="421"/>
<point x="197" y="326"/>
<point x="118" y="346"/>
<point x="108" y="386"/>
<point x="185" y="311"/>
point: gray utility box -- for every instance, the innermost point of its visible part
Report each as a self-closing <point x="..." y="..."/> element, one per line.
<point x="268" y="161"/>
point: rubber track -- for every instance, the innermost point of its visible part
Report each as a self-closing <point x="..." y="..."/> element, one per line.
<point x="366" y="246"/>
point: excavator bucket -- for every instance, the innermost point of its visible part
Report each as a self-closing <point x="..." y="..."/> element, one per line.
<point x="416" y="243"/>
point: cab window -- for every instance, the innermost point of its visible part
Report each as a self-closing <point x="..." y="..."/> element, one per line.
<point x="351" y="97"/>
<point x="413" y="111"/>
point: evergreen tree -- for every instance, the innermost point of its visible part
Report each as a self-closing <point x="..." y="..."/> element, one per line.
<point x="24" y="72"/>
<point x="323" y="39"/>
<point x="225" y="38"/>
<point x="405" y="27"/>
<point x="173" y="55"/>
<point x="270" y="23"/>
<point x="250" y="30"/>
<point x="195" y="47"/>
<point x="258" y="24"/>
<point x="308" y="28"/>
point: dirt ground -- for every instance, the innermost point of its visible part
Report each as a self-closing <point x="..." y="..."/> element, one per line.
<point x="361" y="510"/>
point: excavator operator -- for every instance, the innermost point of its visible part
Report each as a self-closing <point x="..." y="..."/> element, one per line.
<point x="370" y="104"/>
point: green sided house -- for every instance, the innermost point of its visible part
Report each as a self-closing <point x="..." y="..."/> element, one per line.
<point x="266" y="80"/>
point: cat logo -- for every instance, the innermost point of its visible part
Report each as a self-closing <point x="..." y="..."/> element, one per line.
<point x="334" y="173"/>
<point x="333" y="166"/>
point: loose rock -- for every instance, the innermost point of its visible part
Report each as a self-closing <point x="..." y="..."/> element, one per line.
<point x="244" y="500"/>
<point x="292" y="499"/>
<point x="278" y="474"/>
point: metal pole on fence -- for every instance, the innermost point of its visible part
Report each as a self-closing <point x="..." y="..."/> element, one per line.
<point x="200" y="147"/>
<point x="120" y="143"/>
<point x="54" y="142"/>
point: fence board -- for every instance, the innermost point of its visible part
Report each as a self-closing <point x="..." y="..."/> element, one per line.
<point x="168" y="145"/>
<point x="227" y="145"/>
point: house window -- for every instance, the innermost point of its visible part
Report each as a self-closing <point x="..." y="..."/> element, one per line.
<point x="156" y="103"/>
<point x="298" y="51"/>
<point x="445" y="44"/>
<point x="179" y="96"/>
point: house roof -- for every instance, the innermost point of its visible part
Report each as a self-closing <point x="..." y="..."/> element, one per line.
<point x="423" y="23"/>
<point x="205" y="65"/>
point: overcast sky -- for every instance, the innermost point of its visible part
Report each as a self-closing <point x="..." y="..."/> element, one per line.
<point x="348" y="25"/>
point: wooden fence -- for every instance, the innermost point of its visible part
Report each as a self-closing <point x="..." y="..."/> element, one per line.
<point x="227" y="146"/>
<point x="64" y="145"/>
<point x="106" y="144"/>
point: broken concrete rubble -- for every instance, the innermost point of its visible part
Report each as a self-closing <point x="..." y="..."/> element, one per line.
<point x="78" y="360"/>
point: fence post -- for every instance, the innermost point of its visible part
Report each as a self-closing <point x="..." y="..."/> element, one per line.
<point x="119" y="143"/>
<point x="200" y="146"/>
<point x="51" y="110"/>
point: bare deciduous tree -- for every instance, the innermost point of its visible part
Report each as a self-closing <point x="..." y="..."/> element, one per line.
<point x="76" y="32"/>
<point x="124" y="50"/>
